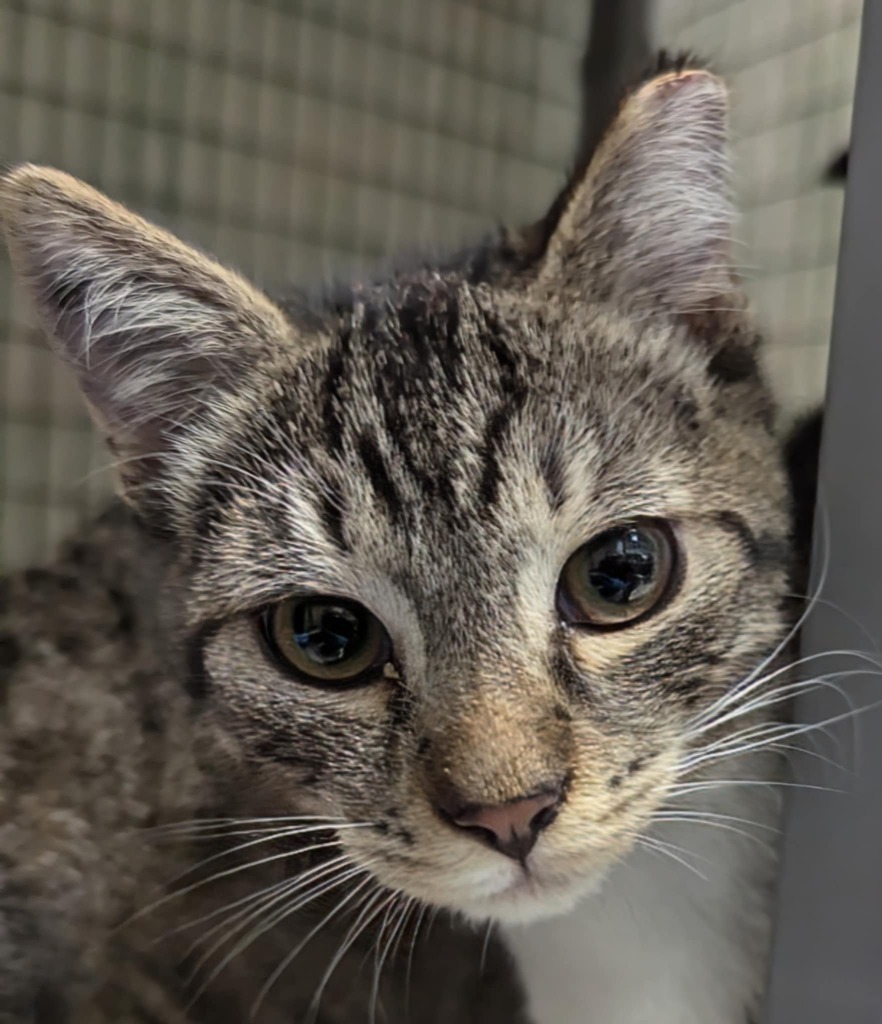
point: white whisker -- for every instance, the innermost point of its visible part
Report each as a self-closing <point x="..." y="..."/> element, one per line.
<point x="371" y="907"/>
<point x="224" y="874"/>
<point x="327" y="885"/>
<point x="269" y="837"/>
<point x="787" y="732"/>
<point x="289" y="958"/>
<point x="673" y="819"/>
<point x="737" y="693"/>
<point x="789" y="636"/>
<point x="278" y="893"/>
<point x="410" y="955"/>
<point x="862" y="629"/>
<point x="249" y="898"/>
<point x="684" y="789"/>
<point x="211" y="823"/>
<point x="657" y="846"/>
<point x="714" y="815"/>
<point x="404" y="907"/>
<point x="485" y="946"/>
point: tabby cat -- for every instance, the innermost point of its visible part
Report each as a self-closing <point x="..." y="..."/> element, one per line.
<point x="429" y="667"/>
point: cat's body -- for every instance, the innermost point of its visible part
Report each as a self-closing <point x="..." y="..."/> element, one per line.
<point x="97" y="754"/>
<point x="475" y="577"/>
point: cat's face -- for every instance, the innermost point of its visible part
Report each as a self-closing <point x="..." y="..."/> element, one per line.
<point x="445" y="487"/>
<point x="458" y="558"/>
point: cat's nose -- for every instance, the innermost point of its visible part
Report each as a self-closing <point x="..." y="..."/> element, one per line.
<point x="511" y="828"/>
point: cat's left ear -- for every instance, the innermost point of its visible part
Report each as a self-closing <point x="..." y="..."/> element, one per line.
<point x="159" y="335"/>
<point x="648" y="223"/>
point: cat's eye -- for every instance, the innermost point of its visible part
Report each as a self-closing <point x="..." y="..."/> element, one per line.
<point x="327" y="640"/>
<point x="619" y="576"/>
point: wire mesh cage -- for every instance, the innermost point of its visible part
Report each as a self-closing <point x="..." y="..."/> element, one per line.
<point x="306" y="138"/>
<point x="300" y="140"/>
<point x="791" y="67"/>
<point x="294" y="140"/>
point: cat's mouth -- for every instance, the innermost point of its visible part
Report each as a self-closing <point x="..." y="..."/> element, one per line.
<point x="530" y="896"/>
<point x="509" y="893"/>
<point x="484" y="885"/>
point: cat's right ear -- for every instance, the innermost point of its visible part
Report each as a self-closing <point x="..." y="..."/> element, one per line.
<point x="647" y="223"/>
<point x="155" y="332"/>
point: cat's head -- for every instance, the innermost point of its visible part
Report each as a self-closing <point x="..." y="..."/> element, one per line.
<point x="463" y="555"/>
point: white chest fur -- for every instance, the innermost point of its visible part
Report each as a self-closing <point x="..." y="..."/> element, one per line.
<point x="660" y="943"/>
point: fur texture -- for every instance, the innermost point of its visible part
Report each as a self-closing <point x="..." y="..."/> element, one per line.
<point x="434" y="446"/>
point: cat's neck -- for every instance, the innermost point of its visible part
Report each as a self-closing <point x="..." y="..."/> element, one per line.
<point x="678" y="933"/>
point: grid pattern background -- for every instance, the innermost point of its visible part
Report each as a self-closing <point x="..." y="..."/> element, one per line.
<point x="299" y="138"/>
<point x="291" y="139"/>
<point x="791" y="65"/>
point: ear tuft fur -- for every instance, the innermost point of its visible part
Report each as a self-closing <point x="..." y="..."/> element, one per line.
<point x="154" y="330"/>
<point x="673" y="62"/>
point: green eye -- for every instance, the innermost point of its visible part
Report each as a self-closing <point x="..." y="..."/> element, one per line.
<point x="619" y="576"/>
<point x="327" y="639"/>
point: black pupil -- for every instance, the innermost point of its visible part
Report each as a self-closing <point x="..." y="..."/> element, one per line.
<point x="623" y="566"/>
<point x="327" y="633"/>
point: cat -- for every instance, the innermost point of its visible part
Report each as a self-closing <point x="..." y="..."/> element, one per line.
<point x="459" y="594"/>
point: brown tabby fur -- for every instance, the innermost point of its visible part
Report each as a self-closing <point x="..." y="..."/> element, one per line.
<point x="434" y="446"/>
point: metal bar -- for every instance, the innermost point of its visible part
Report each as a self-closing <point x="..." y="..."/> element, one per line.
<point x="827" y="961"/>
<point x="618" y="51"/>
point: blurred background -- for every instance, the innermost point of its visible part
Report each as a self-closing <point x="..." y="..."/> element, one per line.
<point x="304" y="139"/>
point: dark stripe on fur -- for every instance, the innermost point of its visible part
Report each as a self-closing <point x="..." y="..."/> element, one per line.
<point x="494" y="435"/>
<point x="733" y="523"/>
<point x="333" y="516"/>
<point x="676" y="659"/>
<point x="215" y="495"/>
<point x="433" y="486"/>
<point x="553" y="474"/>
<point x="382" y="483"/>
<point x="280" y="746"/>
<point x="10" y="654"/>
<point x="801" y="457"/>
<point x="763" y="550"/>
<point x="197" y="681"/>
<point x="499" y="423"/>
<point x="734" y="363"/>
<point x="565" y="673"/>
<point x="334" y="379"/>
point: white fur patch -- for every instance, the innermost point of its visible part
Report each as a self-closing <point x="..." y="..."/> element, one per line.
<point x="660" y="943"/>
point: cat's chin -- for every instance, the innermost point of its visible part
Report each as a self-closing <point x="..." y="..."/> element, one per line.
<point x="528" y="899"/>
<point x="498" y="890"/>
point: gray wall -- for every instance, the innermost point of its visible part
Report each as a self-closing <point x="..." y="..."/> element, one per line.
<point x="828" y="964"/>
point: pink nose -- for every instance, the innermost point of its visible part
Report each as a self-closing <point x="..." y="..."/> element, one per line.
<point x="514" y="827"/>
